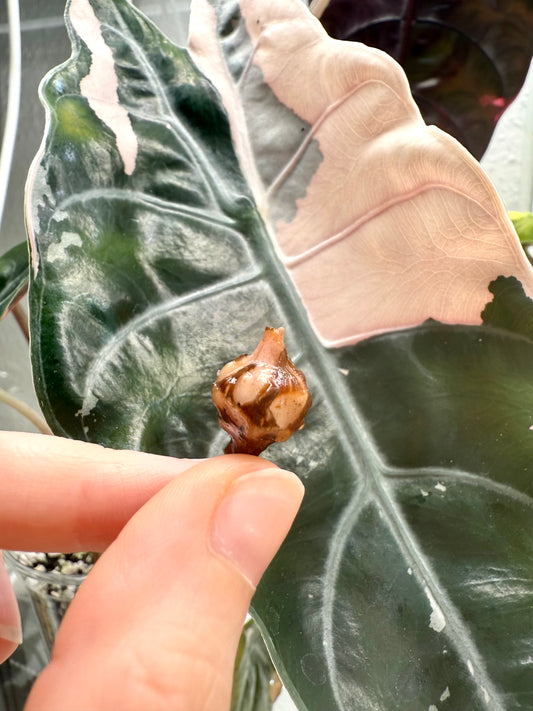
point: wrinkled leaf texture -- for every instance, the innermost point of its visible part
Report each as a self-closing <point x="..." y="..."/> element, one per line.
<point x="465" y="61"/>
<point x="407" y="579"/>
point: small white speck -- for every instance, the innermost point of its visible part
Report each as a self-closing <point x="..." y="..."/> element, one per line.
<point x="437" y="621"/>
<point x="531" y="427"/>
<point x="424" y="493"/>
<point x="440" y="487"/>
<point x="486" y="694"/>
<point x="470" y="666"/>
<point x="409" y="571"/>
<point x="343" y="371"/>
<point x="432" y="707"/>
<point x="445" y="694"/>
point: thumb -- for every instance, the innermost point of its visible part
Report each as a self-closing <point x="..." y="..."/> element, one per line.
<point x="157" y="622"/>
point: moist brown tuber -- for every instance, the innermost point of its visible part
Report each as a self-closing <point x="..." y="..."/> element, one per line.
<point x="261" y="398"/>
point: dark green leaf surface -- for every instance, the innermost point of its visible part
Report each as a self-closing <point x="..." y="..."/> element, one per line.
<point x="426" y="587"/>
<point x="407" y="580"/>
<point x="465" y="61"/>
<point x="13" y="276"/>
<point x="131" y="272"/>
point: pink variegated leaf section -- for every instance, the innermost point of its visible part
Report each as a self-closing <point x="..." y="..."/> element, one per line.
<point x="398" y="222"/>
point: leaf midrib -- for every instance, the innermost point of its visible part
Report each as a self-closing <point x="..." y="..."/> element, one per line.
<point x="362" y="451"/>
<point x="365" y="458"/>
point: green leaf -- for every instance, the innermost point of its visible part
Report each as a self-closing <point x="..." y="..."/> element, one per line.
<point x="426" y="583"/>
<point x="130" y="271"/>
<point x="159" y="255"/>
<point x="253" y="675"/>
<point x="523" y="224"/>
<point x="510" y="309"/>
<point x="13" y="276"/>
<point x="465" y="61"/>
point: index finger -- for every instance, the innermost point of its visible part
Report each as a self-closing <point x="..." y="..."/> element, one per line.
<point x="60" y="494"/>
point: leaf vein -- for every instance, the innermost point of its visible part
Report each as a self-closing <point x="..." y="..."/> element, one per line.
<point x="153" y="313"/>
<point x="394" y="201"/>
<point x="464" y="477"/>
<point x="136" y="196"/>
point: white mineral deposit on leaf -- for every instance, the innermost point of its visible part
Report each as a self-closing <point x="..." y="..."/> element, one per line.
<point x="261" y="398"/>
<point x="58" y="250"/>
<point x="100" y="86"/>
<point x="470" y="666"/>
<point x="432" y="707"/>
<point x="89" y="403"/>
<point x="445" y="694"/>
<point x="440" y="487"/>
<point x="437" y="621"/>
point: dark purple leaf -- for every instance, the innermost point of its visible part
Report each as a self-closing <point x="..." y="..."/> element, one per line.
<point x="465" y="59"/>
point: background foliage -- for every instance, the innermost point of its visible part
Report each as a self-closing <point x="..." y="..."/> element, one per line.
<point x="465" y="61"/>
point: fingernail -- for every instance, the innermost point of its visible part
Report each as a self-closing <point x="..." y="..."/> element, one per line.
<point x="254" y="517"/>
<point x="11" y="634"/>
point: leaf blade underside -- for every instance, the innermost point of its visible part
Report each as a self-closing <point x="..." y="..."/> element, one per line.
<point x="153" y="265"/>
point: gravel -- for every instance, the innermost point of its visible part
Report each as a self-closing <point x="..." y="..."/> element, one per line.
<point x="63" y="563"/>
<point x="52" y="580"/>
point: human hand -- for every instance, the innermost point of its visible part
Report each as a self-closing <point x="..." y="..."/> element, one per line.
<point x="157" y="622"/>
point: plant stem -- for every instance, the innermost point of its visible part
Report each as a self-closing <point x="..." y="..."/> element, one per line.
<point x="22" y="319"/>
<point x="25" y="410"/>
